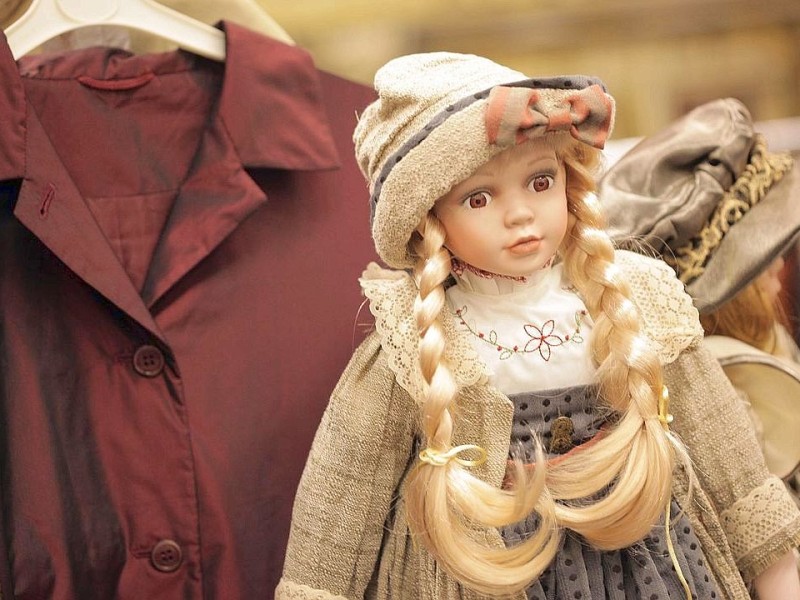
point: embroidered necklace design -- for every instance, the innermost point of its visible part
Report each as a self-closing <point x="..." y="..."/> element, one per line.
<point x="458" y="267"/>
<point x="541" y="338"/>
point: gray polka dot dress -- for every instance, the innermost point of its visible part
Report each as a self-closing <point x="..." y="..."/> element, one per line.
<point x="563" y="419"/>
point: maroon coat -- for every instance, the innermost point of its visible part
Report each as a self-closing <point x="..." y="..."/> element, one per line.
<point x="180" y="242"/>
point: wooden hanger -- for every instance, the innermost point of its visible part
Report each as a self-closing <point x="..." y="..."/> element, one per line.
<point x="46" y="19"/>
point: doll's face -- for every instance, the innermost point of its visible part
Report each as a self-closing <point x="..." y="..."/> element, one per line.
<point x="769" y="282"/>
<point x="510" y="216"/>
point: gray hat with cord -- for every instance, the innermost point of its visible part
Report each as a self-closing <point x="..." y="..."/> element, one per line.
<point x="708" y="197"/>
<point x="441" y="115"/>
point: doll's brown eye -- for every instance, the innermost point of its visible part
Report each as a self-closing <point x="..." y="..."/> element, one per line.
<point x="478" y="200"/>
<point x="541" y="183"/>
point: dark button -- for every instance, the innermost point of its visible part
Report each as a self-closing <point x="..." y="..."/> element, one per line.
<point x="561" y="431"/>
<point x="166" y="556"/>
<point x="148" y="361"/>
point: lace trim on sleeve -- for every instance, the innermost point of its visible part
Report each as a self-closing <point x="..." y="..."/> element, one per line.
<point x="392" y="295"/>
<point x="288" y="590"/>
<point x="761" y="527"/>
<point x="671" y="320"/>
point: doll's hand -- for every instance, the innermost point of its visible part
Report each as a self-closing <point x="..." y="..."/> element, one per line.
<point x="780" y="581"/>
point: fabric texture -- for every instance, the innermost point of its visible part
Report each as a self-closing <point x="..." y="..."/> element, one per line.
<point x="437" y="119"/>
<point x="160" y="308"/>
<point x="350" y="538"/>
<point x="771" y="388"/>
<point x="642" y="570"/>
<point x="708" y="197"/>
<point x="538" y="412"/>
<point x="733" y="481"/>
<point x="391" y="294"/>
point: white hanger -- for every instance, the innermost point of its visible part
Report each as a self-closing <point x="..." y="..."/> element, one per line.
<point x="46" y="19"/>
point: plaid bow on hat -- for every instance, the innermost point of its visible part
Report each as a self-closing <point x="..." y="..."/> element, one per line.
<point x="516" y="114"/>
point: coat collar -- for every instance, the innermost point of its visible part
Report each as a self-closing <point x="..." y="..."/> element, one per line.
<point x="269" y="113"/>
<point x="267" y="86"/>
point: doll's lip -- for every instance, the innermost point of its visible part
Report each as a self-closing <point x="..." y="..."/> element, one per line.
<point x="525" y="245"/>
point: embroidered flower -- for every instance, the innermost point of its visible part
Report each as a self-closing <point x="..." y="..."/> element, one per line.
<point x="542" y="339"/>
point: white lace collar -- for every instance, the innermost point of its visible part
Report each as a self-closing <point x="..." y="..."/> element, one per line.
<point x="531" y="336"/>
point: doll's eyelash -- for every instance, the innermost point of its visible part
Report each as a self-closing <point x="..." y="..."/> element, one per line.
<point x="545" y="173"/>
<point x="470" y="194"/>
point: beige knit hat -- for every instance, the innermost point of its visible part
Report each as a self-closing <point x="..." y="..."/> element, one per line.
<point x="439" y="116"/>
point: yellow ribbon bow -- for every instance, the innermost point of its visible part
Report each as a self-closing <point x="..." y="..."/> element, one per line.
<point x="438" y="458"/>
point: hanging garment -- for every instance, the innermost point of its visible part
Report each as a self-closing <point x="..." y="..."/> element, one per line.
<point x="180" y="242"/>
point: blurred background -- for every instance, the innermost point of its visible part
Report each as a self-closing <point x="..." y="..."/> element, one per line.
<point x="659" y="58"/>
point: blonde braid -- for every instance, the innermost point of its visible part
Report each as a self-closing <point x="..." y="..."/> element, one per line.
<point x="630" y="381"/>
<point x="442" y="500"/>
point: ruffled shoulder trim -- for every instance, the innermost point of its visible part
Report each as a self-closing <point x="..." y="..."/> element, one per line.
<point x="671" y="321"/>
<point x="392" y="294"/>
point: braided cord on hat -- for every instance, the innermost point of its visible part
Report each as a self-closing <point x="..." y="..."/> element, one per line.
<point x="763" y="171"/>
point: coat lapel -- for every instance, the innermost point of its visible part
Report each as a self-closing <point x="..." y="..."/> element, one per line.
<point x="216" y="197"/>
<point x="52" y="208"/>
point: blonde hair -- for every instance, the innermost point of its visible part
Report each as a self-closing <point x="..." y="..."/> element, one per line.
<point x="750" y="316"/>
<point x="611" y="493"/>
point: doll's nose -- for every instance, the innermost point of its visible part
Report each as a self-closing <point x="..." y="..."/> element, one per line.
<point x="519" y="211"/>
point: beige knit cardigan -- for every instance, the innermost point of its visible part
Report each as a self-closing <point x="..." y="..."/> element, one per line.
<point x="349" y="535"/>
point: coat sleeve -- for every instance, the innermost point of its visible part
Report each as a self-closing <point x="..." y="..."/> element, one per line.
<point x="757" y="515"/>
<point x="361" y="449"/>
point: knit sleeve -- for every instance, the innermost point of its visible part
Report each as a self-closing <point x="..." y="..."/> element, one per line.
<point x="360" y="451"/>
<point x="757" y="515"/>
